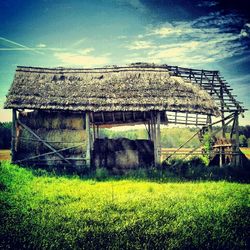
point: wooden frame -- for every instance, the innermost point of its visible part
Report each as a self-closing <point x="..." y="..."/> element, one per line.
<point x="15" y="123"/>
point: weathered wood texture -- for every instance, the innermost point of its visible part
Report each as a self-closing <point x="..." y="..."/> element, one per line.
<point x="51" y="139"/>
<point x="13" y="135"/>
<point x="88" y="150"/>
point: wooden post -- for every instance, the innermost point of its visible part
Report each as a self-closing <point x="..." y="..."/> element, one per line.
<point x="149" y="131"/>
<point x="220" y="155"/>
<point x="158" y="138"/>
<point x="237" y="141"/>
<point x="209" y="121"/>
<point x="13" y="135"/>
<point x="94" y="133"/>
<point x="88" y="153"/>
<point x="97" y="131"/>
<point x="223" y="131"/>
<point x="153" y="136"/>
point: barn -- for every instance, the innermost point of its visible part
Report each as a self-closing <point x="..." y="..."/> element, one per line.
<point x="58" y="112"/>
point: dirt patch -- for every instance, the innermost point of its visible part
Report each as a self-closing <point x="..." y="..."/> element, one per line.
<point x="4" y="154"/>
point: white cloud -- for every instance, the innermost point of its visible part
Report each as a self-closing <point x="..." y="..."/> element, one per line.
<point x="41" y="45"/>
<point x="140" y="44"/>
<point x="245" y="31"/>
<point x="208" y="4"/>
<point x="170" y="30"/>
<point x="121" y="37"/>
<point x="79" y="42"/>
<point x="73" y="59"/>
<point x="86" y="51"/>
<point x="242" y="78"/>
<point x="201" y="41"/>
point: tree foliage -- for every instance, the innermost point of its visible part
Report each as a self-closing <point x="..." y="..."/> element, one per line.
<point x="5" y="135"/>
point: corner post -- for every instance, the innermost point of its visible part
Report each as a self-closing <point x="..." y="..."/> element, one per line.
<point x="13" y="135"/>
<point x="223" y="131"/>
<point x="158" y="138"/>
<point x="237" y="140"/>
<point x="88" y="153"/>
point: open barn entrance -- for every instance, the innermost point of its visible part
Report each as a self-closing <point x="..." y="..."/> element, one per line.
<point x="122" y="153"/>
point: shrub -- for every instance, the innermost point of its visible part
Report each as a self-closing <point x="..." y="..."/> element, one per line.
<point x="208" y="147"/>
<point x="101" y="174"/>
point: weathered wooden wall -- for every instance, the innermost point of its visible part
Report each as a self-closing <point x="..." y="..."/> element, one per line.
<point x="60" y="129"/>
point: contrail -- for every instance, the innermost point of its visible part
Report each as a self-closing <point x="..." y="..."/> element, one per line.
<point x="18" y="44"/>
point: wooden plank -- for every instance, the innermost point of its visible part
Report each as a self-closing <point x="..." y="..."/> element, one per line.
<point x="232" y="130"/>
<point x="183" y="144"/>
<point x="223" y="131"/>
<point x="214" y="132"/>
<point x="149" y="131"/>
<point x="153" y="126"/>
<point x="13" y="135"/>
<point x="97" y="131"/>
<point x="43" y="141"/>
<point x="49" y="153"/>
<point x="92" y="118"/>
<point x="94" y="133"/>
<point x="88" y="153"/>
<point x="158" y="137"/>
<point x="237" y="141"/>
<point x="103" y="120"/>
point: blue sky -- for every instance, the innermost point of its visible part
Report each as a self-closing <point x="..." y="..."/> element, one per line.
<point x="91" y="33"/>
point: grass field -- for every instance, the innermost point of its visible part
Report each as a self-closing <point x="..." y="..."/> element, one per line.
<point x="41" y="211"/>
<point x="246" y="151"/>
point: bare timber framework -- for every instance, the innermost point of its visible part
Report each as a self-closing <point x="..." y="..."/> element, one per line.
<point x="136" y="94"/>
<point x="220" y="91"/>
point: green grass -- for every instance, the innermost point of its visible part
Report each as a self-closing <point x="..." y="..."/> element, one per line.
<point x="245" y="151"/>
<point x="42" y="211"/>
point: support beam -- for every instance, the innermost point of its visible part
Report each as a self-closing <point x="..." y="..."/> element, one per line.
<point x="220" y="156"/>
<point x="154" y="136"/>
<point x="49" y="153"/>
<point x="149" y="131"/>
<point x="223" y="131"/>
<point x="94" y="133"/>
<point x="237" y="141"/>
<point x="158" y="138"/>
<point x="209" y="121"/>
<point x="44" y="142"/>
<point x="88" y="153"/>
<point x="13" y="135"/>
<point x="97" y="131"/>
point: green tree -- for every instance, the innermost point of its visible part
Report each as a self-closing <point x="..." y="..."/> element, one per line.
<point x="243" y="141"/>
<point x="5" y="135"/>
<point x="248" y="142"/>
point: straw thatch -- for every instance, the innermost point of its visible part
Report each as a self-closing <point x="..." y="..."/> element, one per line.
<point x="132" y="88"/>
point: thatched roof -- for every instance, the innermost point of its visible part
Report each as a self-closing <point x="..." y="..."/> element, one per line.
<point x="131" y="88"/>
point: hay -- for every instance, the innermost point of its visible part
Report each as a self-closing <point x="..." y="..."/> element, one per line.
<point x="52" y="120"/>
<point x="129" y="88"/>
<point x="59" y="139"/>
<point x="122" y="154"/>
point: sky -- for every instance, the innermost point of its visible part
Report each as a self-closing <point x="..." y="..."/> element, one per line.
<point x="204" y="34"/>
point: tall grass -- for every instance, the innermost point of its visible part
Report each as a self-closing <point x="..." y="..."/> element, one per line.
<point x="45" y="211"/>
